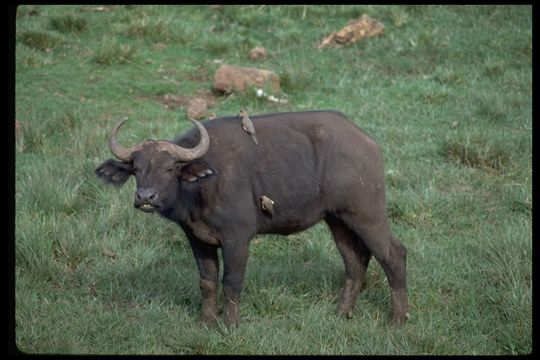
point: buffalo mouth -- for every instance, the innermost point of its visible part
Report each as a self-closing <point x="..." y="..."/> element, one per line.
<point x="148" y="208"/>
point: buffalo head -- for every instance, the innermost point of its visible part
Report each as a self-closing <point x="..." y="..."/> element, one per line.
<point x="158" y="167"/>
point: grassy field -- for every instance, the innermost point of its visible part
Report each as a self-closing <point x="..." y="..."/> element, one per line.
<point x="446" y="92"/>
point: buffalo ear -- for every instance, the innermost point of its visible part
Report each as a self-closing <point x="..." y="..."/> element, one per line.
<point x="114" y="172"/>
<point x="195" y="170"/>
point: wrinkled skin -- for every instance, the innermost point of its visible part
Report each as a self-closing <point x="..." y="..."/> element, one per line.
<point x="314" y="165"/>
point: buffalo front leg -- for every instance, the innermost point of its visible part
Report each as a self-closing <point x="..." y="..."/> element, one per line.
<point x="208" y="264"/>
<point x="235" y="255"/>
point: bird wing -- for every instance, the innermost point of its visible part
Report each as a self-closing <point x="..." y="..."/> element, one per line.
<point x="248" y="125"/>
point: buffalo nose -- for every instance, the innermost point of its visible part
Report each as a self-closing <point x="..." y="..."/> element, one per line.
<point x="146" y="194"/>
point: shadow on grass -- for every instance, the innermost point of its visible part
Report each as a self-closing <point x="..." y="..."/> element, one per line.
<point x="165" y="281"/>
<point x="273" y="287"/>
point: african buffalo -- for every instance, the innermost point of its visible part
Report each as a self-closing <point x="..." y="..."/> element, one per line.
<point x="312" y="165"/>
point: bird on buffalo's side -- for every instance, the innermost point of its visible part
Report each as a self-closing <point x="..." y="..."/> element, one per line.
<point x="267" y="204"/>
<point x="212" y="115"/>
<point x="248" y="126"/>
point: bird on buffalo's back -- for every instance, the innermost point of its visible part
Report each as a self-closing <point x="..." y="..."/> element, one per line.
<point x="267" y="204"/>
<point x="248" y="126"/>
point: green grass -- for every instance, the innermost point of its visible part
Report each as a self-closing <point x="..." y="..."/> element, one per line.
<point x="68" y="23"/>
<point x="111" y="51"/>
<point x="446" y="92"/>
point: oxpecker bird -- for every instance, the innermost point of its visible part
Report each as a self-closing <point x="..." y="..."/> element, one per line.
<point x="212" y="115"/>
<point x="267" y="204"/>
<point x="247" y="125"/>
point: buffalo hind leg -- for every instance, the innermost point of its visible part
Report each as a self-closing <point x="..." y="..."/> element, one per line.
<point x="392" y="256"/>
<point x="356" y="258"/>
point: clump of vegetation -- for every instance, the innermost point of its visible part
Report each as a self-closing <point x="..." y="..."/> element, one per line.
<point x="38" y="39"/>
<point x="68" y="23"/>
<point x="149" y="28"/>
<point x="29" y="137"/>
<point x="112" y="51"/>
<point x="476" y="153"/>
<point x="218" y="46"/>
<point x="295" y="79"/>
<point x="27" y="10"/>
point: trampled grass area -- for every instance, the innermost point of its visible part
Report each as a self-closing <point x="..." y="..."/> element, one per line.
<point x="446" y="92"/>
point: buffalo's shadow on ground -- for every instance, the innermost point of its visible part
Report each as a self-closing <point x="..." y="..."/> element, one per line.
<point x="174" y="281"/>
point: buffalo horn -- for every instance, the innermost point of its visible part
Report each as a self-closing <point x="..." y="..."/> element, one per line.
<point x="179" y="152"/>
<point x="118" y="150"/>
<point x="198" y="151"/>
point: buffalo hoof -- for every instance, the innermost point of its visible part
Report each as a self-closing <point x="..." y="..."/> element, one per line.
<point x="346" y="313"/>
<point x="231" y="317"/>
<point x="209" y="318"/>
<point x="231" y="321"/>
<point x="398" y="320"/>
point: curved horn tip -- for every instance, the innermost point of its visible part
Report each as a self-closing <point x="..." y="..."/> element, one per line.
<point x="196" y="152"/>
<point x="121" y="122"/>
<point x="118" y="150"/>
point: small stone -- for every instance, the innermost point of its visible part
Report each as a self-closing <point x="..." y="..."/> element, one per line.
<point x="108" y="253"/>
<point x="229" y="78"/>
<point x="257" y="53"/>
<point x="197" y="109"/>
<point x="354" y="31"/>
